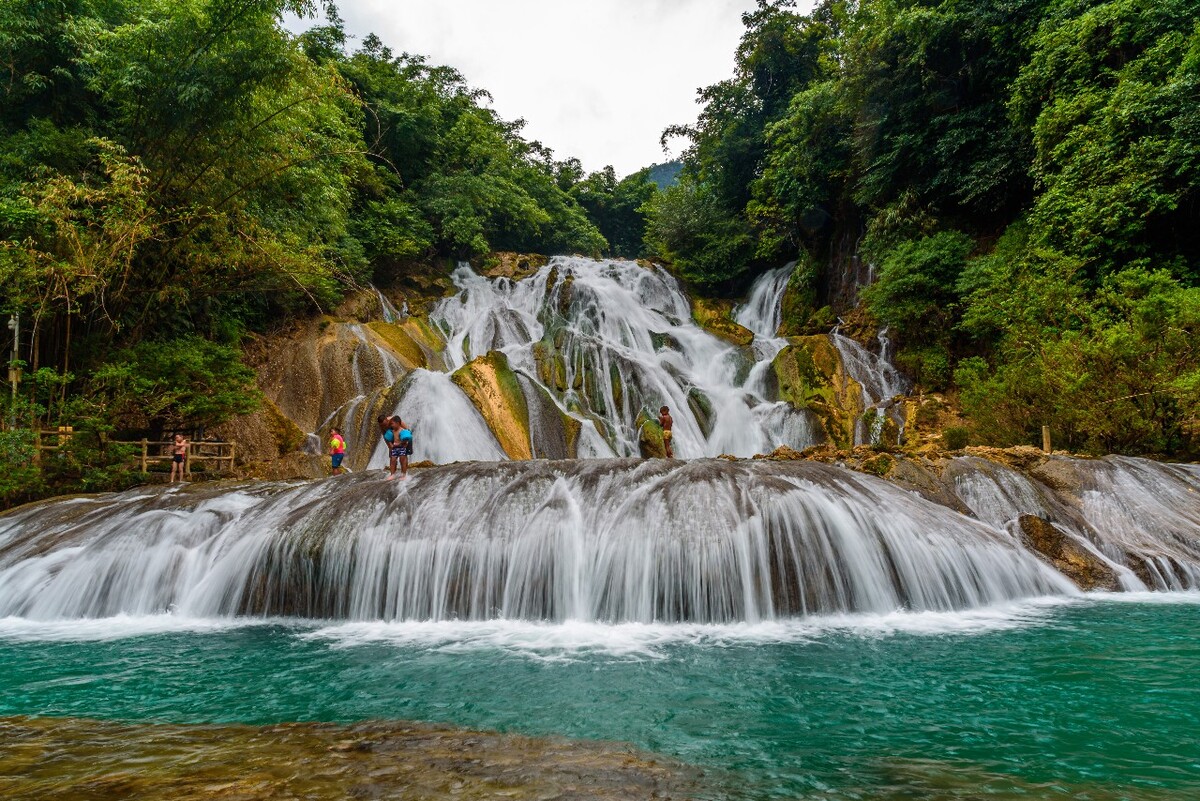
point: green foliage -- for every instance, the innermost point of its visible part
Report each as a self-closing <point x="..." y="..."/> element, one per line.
<point x="955" y="438"/>
<point x="1111" y="96"/>
<point x="616" y="208"/>
<point x="174" y="383"/>
<point x="687" y="227"/>
<point x="21" y="479"/>
<point x="915" y="292"/>
<point x="1114" y="373"/>
<point x="1025" y="175"/>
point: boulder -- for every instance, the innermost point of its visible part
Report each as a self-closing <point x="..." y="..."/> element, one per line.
<point x="809" y="374"/>
<point x="493" y="388"/>
<point x="650" y="437"/>
<point x="1067" y="556"/>
<point x="716" y="317"/>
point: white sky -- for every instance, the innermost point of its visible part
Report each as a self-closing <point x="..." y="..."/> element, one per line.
<point x="594" y="79"/>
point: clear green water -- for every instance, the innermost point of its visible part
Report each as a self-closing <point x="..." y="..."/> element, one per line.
<point x="1096" y="699"/>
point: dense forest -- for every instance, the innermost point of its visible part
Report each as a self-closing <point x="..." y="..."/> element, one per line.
<point x="1012" y="187"/>
<point x="1020" y="177"/>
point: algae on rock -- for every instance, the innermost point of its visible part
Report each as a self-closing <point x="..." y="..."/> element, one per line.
<point x="716" y="317"/>
<point x="495" y="391"/>
<point x="810" y="375"/>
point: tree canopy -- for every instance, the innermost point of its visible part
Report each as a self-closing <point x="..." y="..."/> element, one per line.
<point x="1021" y="177"/>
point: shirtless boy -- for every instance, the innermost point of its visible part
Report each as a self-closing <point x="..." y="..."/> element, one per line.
<point x="179" y="450"/>
<point x="664" y="420"/>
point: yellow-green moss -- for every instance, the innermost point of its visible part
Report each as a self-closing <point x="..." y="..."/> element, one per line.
<point x="411" y="341"/>
<point x="287" y="435"/>
<point x="810" y="375"/>
<point x="493" y="388"/>
<point x="650" y="437"/>
<point x="715" y="317"/>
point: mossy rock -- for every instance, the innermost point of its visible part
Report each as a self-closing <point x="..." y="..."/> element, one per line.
<point x="716" y="317"/>
<point x="551" y="369"/>
<point x="493" y="388"/>
<point x="809" y="374"/>
<point x="287" y="435"/>
<point x="650" y="437"/>
<point x="413" y="342"/>
<point x="504" y="264"/>
<point x="665" y="342"/>
<point x="702" y="409"/>
<point x="879" y="465"/>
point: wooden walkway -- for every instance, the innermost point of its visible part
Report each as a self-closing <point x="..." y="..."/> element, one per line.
<point x="205" y="452"/>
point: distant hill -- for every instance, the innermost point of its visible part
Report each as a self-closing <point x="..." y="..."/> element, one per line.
<point x="665" y="175"/>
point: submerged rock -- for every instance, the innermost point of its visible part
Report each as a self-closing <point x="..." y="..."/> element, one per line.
<point x="56" y="759"/>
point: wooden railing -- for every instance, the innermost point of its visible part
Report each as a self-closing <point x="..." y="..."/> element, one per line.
<point x="219" y="453"/>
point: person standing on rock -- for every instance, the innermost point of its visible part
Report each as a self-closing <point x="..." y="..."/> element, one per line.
<point x="399" y="440"/>
<point x="664" y="420"/>
<point x="179" y="451"/>
<point x="337" y="450"/>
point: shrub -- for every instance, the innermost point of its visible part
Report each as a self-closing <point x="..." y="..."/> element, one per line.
<point x="955" y="438"/>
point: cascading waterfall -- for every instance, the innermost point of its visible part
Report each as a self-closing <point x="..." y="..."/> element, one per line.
<point x="387" y="309"/>
<point x="1149" y="511"/>
<point x="880" y="382"/>
<point x="612" y="341"/>
<point x="762" y="314"/>
<point x="607" y="541"/>
<point x="1129" y="512"/>
<point x="762" y="311"/>
<point x="446" y="427"/>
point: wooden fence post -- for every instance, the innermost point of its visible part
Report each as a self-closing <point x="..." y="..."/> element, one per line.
<point x="187" y="460"/>
<point x="145" y="453"/>
<point x="1046" y="439"/>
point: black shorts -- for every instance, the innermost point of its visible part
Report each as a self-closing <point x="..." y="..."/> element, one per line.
<point x="179" y="458"/>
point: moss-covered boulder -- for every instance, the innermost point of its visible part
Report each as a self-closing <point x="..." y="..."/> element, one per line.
<point x="716" y="317"/>
<point x="516" y="266"/>
<point x="1070" y="558"/>
<point x="551" y="369"/>
<point x="809" y="374"/>
<point x="650" y="437"/>
<point x="495" y="391"/>
<point x="413" y="342"/>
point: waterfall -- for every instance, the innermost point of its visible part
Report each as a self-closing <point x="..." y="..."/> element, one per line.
<point x="446" y="426"/>
<point x="612" y="341"/>
<point x="387" y="309"/>
<point x="604" y="540"/>
<point x="1148" y="510"/>
<point x="880" y="382"/>
<point x="1129" y="512"/>
<point x="762" y="312"/>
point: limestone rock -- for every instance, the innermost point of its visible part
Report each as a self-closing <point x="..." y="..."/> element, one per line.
<point x="715" y="317"/>
<point x="809" y="374"/>
<point x="1067" y="556"/>
<point x="493" y="388"/>
<point x="516" y="266"/>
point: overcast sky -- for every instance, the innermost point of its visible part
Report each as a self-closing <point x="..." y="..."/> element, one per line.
<point x="594" y="79"/>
